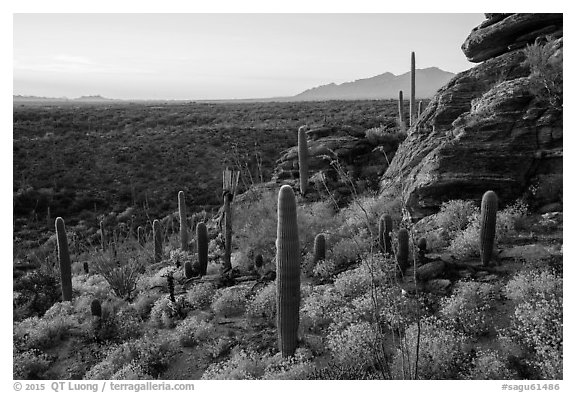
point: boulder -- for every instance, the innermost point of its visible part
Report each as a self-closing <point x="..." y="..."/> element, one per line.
<point x="484" y="130"/>
<point x="430" y="270"/>
<point x="503" y="31"/>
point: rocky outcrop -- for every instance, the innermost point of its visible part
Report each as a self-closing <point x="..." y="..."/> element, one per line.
<point x="485" y="129"/>
<point x="336" y="149"/>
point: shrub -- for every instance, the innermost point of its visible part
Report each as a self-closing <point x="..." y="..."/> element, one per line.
<point x="150" y="355"/>
<point x="296" y="367"/>
<point x="241" y="365"/>
<point x="121" y="273"/>
<point x="356" y="282"/>
<point x="35" y="293"/>
<point x="193" y="330"/>
<point x="30" y="364"/>
<point x="537" y="321"/>
<point x="443" y="353"/>
<point x="385" y="136"/>
<point x="94" y="285"/>
<point x="263" y="305"/>
<point x="324" y="269"/>
<point x="455" y="216"/>
<point x="315" y="312"/>
<point x="131" y="371"/>
<point x="466" y="310"/>
<point x="488" y="365"/>
<point x="230" y="302"/>
<point x="355" y="345"/>
<point x="144" y="302"/>
<point x="200" y="295"/>
<point x="349" y="249"/>
<point x="164" y="312"/>
<point x="546" y="75"/>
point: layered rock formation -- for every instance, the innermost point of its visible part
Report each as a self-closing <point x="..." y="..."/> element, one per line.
<point x="487" y="128"/>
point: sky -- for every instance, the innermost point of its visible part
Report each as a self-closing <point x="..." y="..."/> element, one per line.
<point x="224" y="56"/>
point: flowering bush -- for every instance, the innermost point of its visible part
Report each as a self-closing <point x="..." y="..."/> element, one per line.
<point x="489" y="365"/>
<point x="356" y="344"/>
<point x="241" y="365"/>
<point x="466" y="310"/>
<point x="356" y="282"/>
<point x="200" y="295"/>
<point x="230" y="302"/>
<point x="193" y="330"/>
<point x="315" y="312"/>
<point x="165" y="312"/>
<point x="263" y="305"/>
<point x="30" y="364"/>
<point x="442" y="352"/>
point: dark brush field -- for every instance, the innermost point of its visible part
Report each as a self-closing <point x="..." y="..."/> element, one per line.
<point x="86" y="160"/>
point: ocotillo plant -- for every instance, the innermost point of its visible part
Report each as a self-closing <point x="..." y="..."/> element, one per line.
<point x="141" y="238"/>
<point x="96" y="308"/>
<point x="319" y="247"/>
<point x="401" y="107"/>
<point x="102" y="236"/>
<point x="183" y="221"/>
<point x="64" y="257"/>
<point x="229" y="187"/>
<point x="202" y="246"/>
<point x="303" y="159"/>
<point x="288" y="272"/>
<point x="412" y="89"/>
<point x="488" y="211"/>
<point x="157" y="235"/>
<point x="403" y="250"/>
<point x="384" y="230"/>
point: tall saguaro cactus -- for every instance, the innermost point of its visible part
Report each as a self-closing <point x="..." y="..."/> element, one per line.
<point x="319" y="247"/>
<point x="488" y="211"/>
<point x="412" y="89"/>
<point x="229" y="187"/>
<point x="183" y="221"/>
<point x="157" y="235"/>
<point x="202" y="246"/>
<point x="401" y="107"/>
<point x="303" y="159"/>
<point x="288" y="272"/>
<point x="64" y="257"/>
<point x="403" y="249"/>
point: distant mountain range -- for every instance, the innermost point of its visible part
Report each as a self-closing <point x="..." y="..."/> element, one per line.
<point x="384" y="86"/>
<point x="387" y="85"/>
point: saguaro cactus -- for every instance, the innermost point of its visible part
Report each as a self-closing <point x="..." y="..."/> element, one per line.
<point x="64" y="257"/>
<point x="102" y="236"/>
<point x="288" y="272"/>
<point x="319" y="247"/>
<point x="403" y="250"/>
<point x="384" y="230"/>
<point x="202" y="246"/>
<point x="188" y="271"/>
<point x="412" y="89"/>
<point x="303" y="159"/>
<point x="419" y="108"/>
<point x="141" y="237"/>
<point x="157" y="235"/>
<point x="86" y="268"/>
<point x="258" y="261"/>
<point x="96" y="308"/>
<point x="422" y="245"/>
<point x="488" y="211"/>
<point x="401" y="107"/>
<point x="183" y="221"/>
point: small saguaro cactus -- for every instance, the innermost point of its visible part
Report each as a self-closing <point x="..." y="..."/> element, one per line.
<point x="86" y="268"/>
<point x="96" y="308"/>
<point x="188" y="270"/>
<point x="141" y="237"/>
<point x="202" y="247"/>
<point x="401" y="107"/>
<point x="288" y="272"/>
<point x="419" y="108"/>
<point x="64" y="257"/>
<point x="183" y="221"/>
<point x="258" y="261"/>
<point x="488" y="211"/>
<point x="384" y="230"/>
<point x="319" y="247"/>
<point x="403" y="250"/>
<point x="303" y="159"/>
<point x="412" y="89"/>
<point x="157" y="235"/>
<point x="102" y="236"/>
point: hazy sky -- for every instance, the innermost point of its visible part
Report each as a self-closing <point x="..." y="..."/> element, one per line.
<point x="211" y="56"/>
